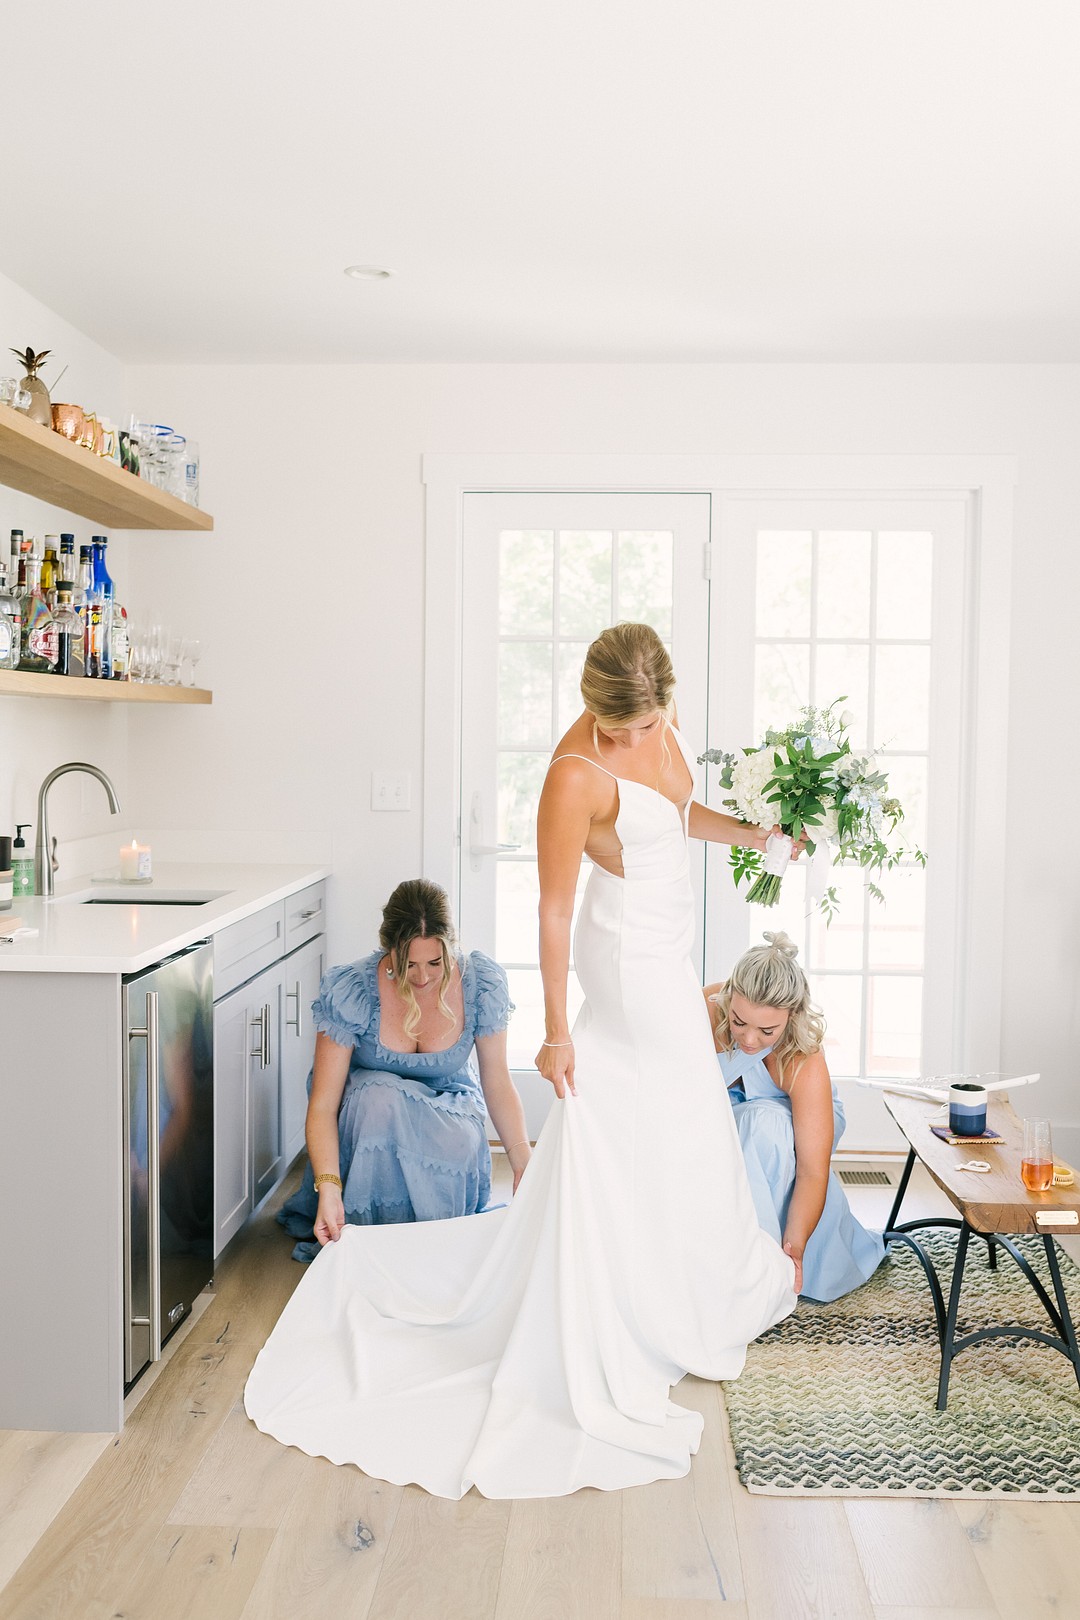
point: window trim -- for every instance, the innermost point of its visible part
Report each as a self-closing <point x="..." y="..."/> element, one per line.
<point x="987" y="481"/>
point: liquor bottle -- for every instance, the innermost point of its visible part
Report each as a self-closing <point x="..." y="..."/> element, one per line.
<point x="68" y="632"/>
<point x="50" y="572"/>
<point x="68" y="567"/>
<point x="38" y="651"/>
<point x="15" y="552"/>
<point x="119" y="639"/>
<point x="80" y="600"/>
<point x="10" y="626"/>
<point x="103" y="589"/>
<point x="26" y="551"/>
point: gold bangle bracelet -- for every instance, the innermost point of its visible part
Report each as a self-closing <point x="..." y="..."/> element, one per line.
<point x="327" y="1176"/>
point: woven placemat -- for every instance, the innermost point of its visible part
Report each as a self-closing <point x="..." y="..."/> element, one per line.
<point x="839" y="1400"/>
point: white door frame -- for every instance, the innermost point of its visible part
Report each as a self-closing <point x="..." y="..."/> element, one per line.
<point x="988" y="481"/>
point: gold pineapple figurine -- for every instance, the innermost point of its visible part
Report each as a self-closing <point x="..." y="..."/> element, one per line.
<point x="40" y="408"/>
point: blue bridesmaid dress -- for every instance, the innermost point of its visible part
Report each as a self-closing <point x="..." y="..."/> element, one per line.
<point x="411" y="1125"/>
<point x="840" y="1253"/>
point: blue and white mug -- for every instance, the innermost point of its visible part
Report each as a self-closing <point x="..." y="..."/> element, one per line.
<point x="967" y="1108"/>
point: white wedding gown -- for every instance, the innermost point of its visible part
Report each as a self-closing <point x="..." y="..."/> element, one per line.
<point x="530" y="1351"/>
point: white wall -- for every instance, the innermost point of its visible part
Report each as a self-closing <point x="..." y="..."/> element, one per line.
<point x="311" y="605"/>
<point x="37" y="734"/>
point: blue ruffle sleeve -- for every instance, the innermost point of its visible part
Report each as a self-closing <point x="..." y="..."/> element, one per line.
<point x="344" y="1007"/>
<point x="491" y="996"/>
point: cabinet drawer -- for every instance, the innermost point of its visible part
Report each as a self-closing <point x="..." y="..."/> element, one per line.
<point x="305" y="915"/>
<point x="248" y="947"/>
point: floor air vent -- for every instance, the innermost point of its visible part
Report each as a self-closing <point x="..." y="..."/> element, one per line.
<point x="865" y="1178"/>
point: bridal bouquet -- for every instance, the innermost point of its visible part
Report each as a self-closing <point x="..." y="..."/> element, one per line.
<point x="808" y="780"/>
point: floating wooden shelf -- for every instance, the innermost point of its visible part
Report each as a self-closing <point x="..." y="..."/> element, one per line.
<point x="43" y="463"/>
<point x="22" y="683"/>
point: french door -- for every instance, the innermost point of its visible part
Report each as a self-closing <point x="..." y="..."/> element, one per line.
<point x="811" y="598"/>
<point x="543" y="574"/>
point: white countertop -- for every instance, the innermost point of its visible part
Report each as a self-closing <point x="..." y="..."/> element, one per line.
<point x="76" y="938"/>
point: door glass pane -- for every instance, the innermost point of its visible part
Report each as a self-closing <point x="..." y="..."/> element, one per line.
<point x="907" y="775"/>
<point x="843" y="583"/>
<point x="896" y="928"/>
<point x="521" y="776"/>
<point x="571" y="659"/>
<point x="585" y="606"/>
<point x="525" y="694"/>
<point x="839" y="944"/>
<point x="902" y="697"/>
<point x="526" y="581"/>
<point x="843" y="670"/>
<point x="645" y="578"/>
<point x="895" y="1026"/>
<point x="783" y="582"/>
<point x="903" y="584"/>
<point x="782" y="684"/>
<point x="840" y="998"/>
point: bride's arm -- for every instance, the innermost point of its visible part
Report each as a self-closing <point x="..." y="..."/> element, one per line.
<point x="563" y="820"/>
<point x="715" y="827"/>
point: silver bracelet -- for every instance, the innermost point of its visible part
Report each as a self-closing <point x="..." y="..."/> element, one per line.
<point x="556" y="1043"/>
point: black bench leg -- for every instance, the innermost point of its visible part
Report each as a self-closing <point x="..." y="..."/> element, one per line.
<point x="991" y="1254"/>
<point x="950" y="1318"/>
<point x="1068" y="1331"/>
<point x="901" y="1190"/>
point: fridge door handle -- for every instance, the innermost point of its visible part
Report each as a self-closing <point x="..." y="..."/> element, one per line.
<point x="153" y="1169"/>
<point x="295" y="1023"/>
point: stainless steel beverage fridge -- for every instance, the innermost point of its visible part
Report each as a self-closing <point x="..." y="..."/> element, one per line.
<point x="168" y="1149"/>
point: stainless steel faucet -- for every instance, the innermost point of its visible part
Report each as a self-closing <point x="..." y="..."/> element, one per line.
<point x="43" y="866"/>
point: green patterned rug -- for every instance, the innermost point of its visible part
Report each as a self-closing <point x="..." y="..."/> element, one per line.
<point x="839" y="1400"/>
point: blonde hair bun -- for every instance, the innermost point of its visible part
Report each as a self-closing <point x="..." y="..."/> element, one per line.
<point x="782" y="944"/>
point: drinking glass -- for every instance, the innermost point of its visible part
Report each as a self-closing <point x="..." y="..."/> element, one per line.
<point x="1037" y="1165"/>
<point x="189" y="660"/>
<point x="172" y="658"/>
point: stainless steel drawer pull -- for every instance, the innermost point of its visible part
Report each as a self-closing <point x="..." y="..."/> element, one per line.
<point x="295" y="1023"/>
<point x="262" y="1024"/>
<point x="153" y="1168"/>
<point x="306" y="916"/>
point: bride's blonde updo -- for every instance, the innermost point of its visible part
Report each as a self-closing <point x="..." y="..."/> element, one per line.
<point x="627" y="675"/>
<point x="769" y="976"/>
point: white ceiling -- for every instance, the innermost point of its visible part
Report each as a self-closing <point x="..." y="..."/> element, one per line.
<point x="553" y="180"/>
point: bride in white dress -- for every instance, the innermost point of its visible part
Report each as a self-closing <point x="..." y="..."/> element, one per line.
<point x="531" y="1351"/>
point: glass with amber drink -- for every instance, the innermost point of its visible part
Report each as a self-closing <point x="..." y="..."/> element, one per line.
<point x="1037" y="1165"/>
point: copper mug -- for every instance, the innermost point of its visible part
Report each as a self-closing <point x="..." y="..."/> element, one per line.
<point x="68" y="420"/>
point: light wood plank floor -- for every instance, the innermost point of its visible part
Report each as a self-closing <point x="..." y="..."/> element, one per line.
<point x="192" y="1514"/>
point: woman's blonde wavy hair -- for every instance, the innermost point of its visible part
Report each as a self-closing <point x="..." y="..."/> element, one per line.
<point x="418" y="909"/>
<point x="627" y="675"/>
<point x="769" y="976"/>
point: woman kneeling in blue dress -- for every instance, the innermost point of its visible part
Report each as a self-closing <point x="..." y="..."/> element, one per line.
<point x="411" y="1046"/>
<point x="768" y="1039"/>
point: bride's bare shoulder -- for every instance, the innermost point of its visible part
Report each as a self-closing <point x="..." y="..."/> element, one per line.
<point x="573" y="770"/>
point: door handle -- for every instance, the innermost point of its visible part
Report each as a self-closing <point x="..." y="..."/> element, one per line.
<point x="477" y="847"/>
<point x="262" y="1024"/>
<point x="289" y="1022"/>
<point x="153" y="1169"/>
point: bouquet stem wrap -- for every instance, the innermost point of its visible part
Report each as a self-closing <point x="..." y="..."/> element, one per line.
<point x="766" y="889"/>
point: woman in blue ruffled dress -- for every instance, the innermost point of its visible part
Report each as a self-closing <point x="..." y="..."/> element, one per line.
<point x="768" y="1039"/>
<point x="411" y="1045"/>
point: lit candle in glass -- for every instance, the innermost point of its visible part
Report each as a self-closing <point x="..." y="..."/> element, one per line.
<point x="135" y="862"/>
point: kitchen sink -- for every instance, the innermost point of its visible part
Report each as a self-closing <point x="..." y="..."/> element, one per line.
<point x="117" y="894"/>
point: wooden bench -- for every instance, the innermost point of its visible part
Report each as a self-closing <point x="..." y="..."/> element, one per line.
<point x="994" y="1207"/>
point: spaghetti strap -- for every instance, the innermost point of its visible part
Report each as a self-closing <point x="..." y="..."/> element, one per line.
<point x="588" y="761"/>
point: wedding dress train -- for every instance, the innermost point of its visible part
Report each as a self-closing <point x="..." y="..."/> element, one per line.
<point x="531" y="1351"/>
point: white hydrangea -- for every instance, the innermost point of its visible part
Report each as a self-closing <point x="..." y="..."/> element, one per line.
<point x="751" y="780"/>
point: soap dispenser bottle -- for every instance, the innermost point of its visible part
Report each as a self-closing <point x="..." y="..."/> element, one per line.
<point x="22" y="865"/>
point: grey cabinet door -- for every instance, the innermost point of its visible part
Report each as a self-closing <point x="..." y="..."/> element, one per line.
<point x="264" y="1022"/>
<point x="302" y="971"/>
<point x="233" y="1201"/>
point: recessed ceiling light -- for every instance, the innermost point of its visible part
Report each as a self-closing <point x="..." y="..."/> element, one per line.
<point x="367" y="272"/>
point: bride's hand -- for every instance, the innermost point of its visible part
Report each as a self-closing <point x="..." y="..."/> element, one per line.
<point x="556" y="1063"/>
<point x="758" y="838"/>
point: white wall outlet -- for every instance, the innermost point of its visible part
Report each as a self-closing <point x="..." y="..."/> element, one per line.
<point x="391" y="790"/>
